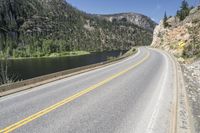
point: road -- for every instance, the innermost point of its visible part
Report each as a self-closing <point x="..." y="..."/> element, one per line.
<point x="134" y="95"/>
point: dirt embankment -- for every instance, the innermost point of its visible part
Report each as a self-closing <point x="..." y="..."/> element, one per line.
<point x="192" y="84"/>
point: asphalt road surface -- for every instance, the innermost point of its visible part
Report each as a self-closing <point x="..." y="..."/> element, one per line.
<point x="133" y="95"/>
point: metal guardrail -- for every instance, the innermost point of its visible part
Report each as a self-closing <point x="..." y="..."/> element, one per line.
<point x="54" y="76"/>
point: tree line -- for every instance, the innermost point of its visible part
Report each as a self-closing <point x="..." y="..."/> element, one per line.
<point x="182" y="13"/>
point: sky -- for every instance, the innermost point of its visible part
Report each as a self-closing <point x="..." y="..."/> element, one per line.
<point x="154" y="9"/>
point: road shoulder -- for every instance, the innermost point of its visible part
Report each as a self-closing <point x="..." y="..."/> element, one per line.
<point x="181" y="112"/>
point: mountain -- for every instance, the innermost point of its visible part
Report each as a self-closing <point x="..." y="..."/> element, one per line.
<point x="41" y="27"/>
<point x="134" y="18"/>
<point x="180" y="37"/>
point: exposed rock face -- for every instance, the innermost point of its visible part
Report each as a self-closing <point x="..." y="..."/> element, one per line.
<point x="169" y="38"/>
<point x="135" y="18"/>
<point x="34" y="24"/>
<point x="177" y="32"/>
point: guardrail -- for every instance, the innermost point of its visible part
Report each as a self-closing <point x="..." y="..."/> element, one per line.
<point x="34" y="82"/>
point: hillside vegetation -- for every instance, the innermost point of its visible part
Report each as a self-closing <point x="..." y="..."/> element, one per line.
<point x="35" y="28"/>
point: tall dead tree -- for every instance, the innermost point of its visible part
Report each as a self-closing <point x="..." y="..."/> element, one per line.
<point x="5" y="77"/>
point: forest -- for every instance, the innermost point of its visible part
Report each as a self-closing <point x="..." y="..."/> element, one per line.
<point x="34" y="28"/>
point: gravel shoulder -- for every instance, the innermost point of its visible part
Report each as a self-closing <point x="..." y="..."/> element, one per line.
<point x="192" y="85"/>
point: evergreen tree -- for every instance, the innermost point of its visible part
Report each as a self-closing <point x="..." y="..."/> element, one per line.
<point x="184" y="10"/>
<point x="165" y="20"/>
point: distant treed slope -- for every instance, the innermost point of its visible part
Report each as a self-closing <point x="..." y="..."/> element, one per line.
<point x="134" y="18"/>
<point x="41" y="27"/>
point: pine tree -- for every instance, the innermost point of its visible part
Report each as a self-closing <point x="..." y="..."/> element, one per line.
<point x="184" y="10"/>
<point x="165" y="20"/>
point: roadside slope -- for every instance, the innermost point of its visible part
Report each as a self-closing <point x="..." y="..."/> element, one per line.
<point x="182" y="39"/>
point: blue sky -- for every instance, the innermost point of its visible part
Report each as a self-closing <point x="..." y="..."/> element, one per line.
<point x="153" y="8"/>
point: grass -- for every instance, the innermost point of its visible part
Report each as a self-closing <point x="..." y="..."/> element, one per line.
<point x="128" y="53"/>
<point x="55" y="55"/>
<point x="72" y="54"/>
<point x="69" y="54"/>
<point x="111" y="58"/>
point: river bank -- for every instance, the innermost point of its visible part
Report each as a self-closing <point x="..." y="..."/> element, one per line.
<point x="53" y="55"/>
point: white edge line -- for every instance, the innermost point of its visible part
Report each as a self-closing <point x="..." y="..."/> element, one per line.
<point x="156" y="108"/>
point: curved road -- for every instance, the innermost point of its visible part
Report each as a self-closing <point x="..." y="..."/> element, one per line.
<point x="130" y="96"/>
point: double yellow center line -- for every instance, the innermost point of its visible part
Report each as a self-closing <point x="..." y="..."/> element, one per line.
<point x="69" y="99"/>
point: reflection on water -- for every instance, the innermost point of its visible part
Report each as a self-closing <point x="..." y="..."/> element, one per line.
<point x="30" y="68"/>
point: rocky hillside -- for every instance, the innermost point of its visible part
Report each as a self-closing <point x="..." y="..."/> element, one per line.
<point x="182" y="38"/>
<point x="41" y="27"/>
<point x="134" y="18"/>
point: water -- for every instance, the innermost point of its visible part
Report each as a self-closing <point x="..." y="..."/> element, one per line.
<point x="30" y="68"/>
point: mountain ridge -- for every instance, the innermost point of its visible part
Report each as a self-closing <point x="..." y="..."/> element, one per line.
<point x="135" y="18"/>
<point x="38" y="28"/>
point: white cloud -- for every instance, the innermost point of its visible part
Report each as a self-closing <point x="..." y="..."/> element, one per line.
<point x="158" y="6"/>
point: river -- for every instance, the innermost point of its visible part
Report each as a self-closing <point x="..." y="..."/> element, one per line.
<point x="30" y="68"/>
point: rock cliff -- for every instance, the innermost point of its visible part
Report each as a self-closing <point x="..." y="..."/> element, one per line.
<point x="182" y="38"/>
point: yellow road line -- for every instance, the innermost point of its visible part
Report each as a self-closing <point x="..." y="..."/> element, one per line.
<point x="69" y="99"/>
